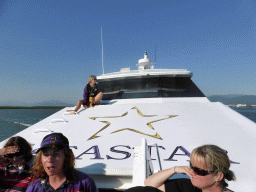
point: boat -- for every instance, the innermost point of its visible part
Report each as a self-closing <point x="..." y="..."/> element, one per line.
<point x="150" y="119"/>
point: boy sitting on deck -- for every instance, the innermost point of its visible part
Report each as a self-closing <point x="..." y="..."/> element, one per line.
<point x="92" y="95"/>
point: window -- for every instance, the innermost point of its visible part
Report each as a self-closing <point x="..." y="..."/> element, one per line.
<point x="148" y="87"/>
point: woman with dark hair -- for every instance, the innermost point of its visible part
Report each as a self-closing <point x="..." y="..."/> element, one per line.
<point x="208" y="171"/>
<point x="55" y="168"/>
<point x="15" y="158"/>
<point x="92" y="95"/>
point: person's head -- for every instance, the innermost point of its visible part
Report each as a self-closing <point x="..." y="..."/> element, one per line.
<point x="210" y="166"/>
<point x="92" y="79"/>
<point x="54" y="158"/>
<point x="23" y="155"/>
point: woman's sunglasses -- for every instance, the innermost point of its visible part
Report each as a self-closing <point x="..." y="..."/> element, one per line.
<point x="199" y="171"/>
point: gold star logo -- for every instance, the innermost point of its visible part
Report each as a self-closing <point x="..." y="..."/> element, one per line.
<point x="149" y="124"/>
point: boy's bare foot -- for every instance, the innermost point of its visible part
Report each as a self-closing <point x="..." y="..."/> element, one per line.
<point x="71" y="111"/>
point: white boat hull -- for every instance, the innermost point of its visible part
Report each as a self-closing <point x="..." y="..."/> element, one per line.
<point x="103" y="137"/>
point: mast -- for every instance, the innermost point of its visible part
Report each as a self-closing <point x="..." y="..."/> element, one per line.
<point x="102" y="51"/>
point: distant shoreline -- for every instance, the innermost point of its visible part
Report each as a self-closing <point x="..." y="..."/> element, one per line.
<point x="38" y="107"/>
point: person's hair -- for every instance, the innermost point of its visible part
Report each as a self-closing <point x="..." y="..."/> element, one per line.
<point x="91" y="78"/>
<point x="37" y="170"/>
<point x="24" y="147"/>
<point x="217" y="158"/>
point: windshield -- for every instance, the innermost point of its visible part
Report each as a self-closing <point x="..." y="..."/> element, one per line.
<point x="148" y="87"/>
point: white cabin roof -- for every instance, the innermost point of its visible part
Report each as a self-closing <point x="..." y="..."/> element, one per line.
<point x="153" y="72"/>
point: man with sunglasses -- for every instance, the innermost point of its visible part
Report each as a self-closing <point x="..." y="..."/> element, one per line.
<point x="15" y="162"/>
<point x="209" y="167"/>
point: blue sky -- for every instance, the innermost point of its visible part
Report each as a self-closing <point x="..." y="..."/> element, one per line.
<point x="48" y="48"/>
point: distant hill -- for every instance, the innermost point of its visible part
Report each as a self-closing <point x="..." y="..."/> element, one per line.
<point x="233" y="99"/>
<point x="54" y="103"/>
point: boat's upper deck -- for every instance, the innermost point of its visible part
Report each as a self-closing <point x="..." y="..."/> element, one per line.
<point x="126" y="73"/>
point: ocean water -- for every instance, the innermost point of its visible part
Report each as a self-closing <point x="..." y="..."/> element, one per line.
<point x="15" y="120"/>
<point x="249" y="112"/>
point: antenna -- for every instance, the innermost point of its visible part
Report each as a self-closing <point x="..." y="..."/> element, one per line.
<point x="155" y="55"/>
<point x="102" y="51"/>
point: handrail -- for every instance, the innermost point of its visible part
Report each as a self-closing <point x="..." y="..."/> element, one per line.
<point x="142" y="163"/>
<point x="43" y="130"/>
<point x="158" y="156"/>
<point x="58" y="120"/>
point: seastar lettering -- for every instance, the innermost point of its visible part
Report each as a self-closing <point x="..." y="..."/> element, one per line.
<point x="94" y="150"/>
